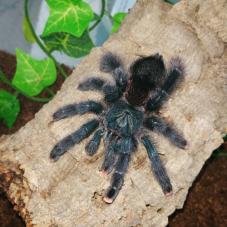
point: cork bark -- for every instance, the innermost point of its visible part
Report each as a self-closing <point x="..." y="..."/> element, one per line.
<point x="69" y="192"/>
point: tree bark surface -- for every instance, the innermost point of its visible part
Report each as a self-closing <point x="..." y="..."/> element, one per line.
<point x="69" y="192"/>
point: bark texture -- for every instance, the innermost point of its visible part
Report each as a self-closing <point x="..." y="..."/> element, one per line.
<point x="69" y="192"/>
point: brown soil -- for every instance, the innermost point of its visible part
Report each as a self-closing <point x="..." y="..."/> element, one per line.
<point x="206" y="205"/>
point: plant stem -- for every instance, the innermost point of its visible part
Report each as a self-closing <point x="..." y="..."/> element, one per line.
<point x="41" y="45"/>
<point x="50" y="92"/>
<point x="5" y="80"/>
<point x="16" y="93"/>
<point x="108" y="14"/>
<point x="100" y="16"/>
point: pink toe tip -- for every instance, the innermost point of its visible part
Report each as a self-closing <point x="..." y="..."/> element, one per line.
<point x="108" y="200"/>
<point x="103" y="173"/>
<point x="168" y="194"/>
<point x="186" y="147"/>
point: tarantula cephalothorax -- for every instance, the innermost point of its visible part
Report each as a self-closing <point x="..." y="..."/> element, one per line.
<point x="125" y="116"/>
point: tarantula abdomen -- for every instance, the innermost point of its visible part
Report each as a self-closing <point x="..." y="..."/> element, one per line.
<point x="148" y="72"/>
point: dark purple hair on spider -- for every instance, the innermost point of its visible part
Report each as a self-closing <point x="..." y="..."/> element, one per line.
<point x="147" y="73"/>
<point x="118" y="120"/>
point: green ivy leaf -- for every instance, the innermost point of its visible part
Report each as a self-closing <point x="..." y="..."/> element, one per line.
<point x="9" y="108"/>
<point x="117" y="19"/>
<point x="32" y="75"/>
<point x="70" y="45"/>
<point x="27" y="32"/>
<point x="70" y="16"/>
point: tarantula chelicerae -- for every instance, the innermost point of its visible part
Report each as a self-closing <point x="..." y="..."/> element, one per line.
<point x="125" y="116"/>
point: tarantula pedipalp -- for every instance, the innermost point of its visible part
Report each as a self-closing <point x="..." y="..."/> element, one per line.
<point x="126" y="118"/>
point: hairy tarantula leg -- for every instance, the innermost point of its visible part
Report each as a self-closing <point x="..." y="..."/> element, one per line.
<point x="76" y="137"/>
<point x="112" y="64"/>
<point x="157" y="166"/>
<point x="93" y="145"/>
<point x="80" y="108"/>
<point x="174" y="78"/>
<point x="117" y="179"/>
<point x="112" y="93"/>
<point x="108" y="137"/>
<point x="109" y="160"/>
<point x="92" y="83"/>
<point x="159" y="125"/>
<point x="109" y="62"/>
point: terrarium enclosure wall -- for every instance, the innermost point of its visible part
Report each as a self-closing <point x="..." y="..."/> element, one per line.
<point x="12" y="14"/>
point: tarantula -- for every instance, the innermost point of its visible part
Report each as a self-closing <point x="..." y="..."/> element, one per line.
<point x="124" y="118"/>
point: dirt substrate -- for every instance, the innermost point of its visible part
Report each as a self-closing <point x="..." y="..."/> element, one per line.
<point x="206" y="205"/>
